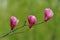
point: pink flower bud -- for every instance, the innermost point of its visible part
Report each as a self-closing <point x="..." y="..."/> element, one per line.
<point x="13" y="22"/>
<point x="48" y="14"/>
<point x="31" y="20"/>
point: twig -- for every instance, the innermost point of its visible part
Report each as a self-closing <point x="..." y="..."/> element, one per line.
<point x="12" y="31"/>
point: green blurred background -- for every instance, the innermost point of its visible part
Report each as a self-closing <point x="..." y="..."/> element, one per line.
<point x="21" y="9"/>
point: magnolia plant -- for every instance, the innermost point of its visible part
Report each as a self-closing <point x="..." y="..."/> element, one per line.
<point x="13" y="22"/>
<point x="48" y="14"/>
<point x="31" y="20"/>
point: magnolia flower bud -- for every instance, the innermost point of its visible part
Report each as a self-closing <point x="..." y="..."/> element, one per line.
<point x="13" y="22"/>
<point x="48" y="14"/>
<point x="31" y="20"/>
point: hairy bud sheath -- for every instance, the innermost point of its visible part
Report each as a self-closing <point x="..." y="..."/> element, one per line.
<point x="48" y="14"/>
<point x="13" y="22"/>
<point x="31" y="20"/>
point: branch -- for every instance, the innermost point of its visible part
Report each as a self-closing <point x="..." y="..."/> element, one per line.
<point x="12" y="31"/>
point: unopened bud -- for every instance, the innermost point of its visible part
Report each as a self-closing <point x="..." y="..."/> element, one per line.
<point x="48" y="14"/>
<point x="13" y="22"/>
<point x="31" y="20"/>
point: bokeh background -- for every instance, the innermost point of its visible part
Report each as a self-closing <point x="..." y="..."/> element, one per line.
<point x="21" y="9"/>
